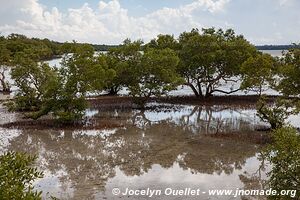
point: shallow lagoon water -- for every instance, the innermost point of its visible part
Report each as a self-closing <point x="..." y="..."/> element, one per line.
<point x="170" y="147"/>
<point x="84" y="166"/>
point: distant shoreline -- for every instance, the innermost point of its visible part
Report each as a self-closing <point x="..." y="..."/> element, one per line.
<point x="259" y="47"/>
<point x="276" y="47"/>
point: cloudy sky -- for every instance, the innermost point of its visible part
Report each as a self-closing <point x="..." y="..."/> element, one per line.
<point x="112" y="21"/>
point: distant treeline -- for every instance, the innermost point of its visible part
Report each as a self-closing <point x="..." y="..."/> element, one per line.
<point x="15" y="45"/>
<point x="276" y="47"/>
<point x="51" y="48"/>
<point x="104" y="47"/>
<point x="39" y="49"/>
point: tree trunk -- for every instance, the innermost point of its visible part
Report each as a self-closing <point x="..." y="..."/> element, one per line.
<point x="140" y="102"/>
<point x="4" y="84"/>
<point x="208" y="92"/>
<point x="113" y="91"/>
<point x="260" y="91"/>
<point x="199" y="88"/>
<point x="197" y="94"/>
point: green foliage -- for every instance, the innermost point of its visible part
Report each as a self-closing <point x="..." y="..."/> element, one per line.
<point x="79" y="74"/>
<point x="284" y="156"/>
<point x="258" y="73"/>
<point x="76" y="68"/>
<point x="163" y="42"/>
<point x="15" y="46"/>
<point x="118" y="60"/>
<point x="17" y="176"/>
<point x="5" y="61"/>
<point x="146" y="74"/>
<point x="212" y="58"/>
<point x="62" y="92"/>
<point x="156" y="75"/>
<point x="122" y="60"/>
<point x="36" y="82"/>
<point x="104" y="74"/>
<point x="289" y="84"/>
<point x="119" y="71"/>
<point x="275" y="113"/>
<point x="103" y="47"/>
<point x="36" y="49"/>
<point x="5" y="54"/>
<point x="129" y="51"/>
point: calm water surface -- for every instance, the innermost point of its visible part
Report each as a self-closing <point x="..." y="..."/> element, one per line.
<point x="176" y="146"/>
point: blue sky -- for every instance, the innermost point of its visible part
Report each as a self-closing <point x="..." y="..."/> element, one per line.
<point x="112" y="21"/>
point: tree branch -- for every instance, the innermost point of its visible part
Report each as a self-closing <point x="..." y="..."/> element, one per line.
<point x="233" y="91"/>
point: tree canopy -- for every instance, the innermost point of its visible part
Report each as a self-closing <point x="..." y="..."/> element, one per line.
<point x="43" y="89"/>
<point x="289" y="83"/>
<point x="155" y="75"/>
<point x="258" y="73"/>
<point x="206" y="61"/>
<point x="284" y="155"/>
<point x="212" y="58"/>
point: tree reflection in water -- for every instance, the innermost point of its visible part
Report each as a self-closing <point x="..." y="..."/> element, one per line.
<point x="197" y="119"/>
<point x="82" y="162"/>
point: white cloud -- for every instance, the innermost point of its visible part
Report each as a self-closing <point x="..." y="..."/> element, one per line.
<point x="284" y="2"/>
<point x="109" y="23"/>
<point x="212" y="6"/>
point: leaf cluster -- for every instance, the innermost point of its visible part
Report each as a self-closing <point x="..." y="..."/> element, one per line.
<point x="284" y="156"/>
<point x="17" y="176"/>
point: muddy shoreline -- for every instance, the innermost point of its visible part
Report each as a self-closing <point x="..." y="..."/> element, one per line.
<point x="44" y="124"/>
<point x="125" y="103"/>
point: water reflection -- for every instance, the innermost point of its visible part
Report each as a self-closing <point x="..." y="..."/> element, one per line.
<point x="151" y="149"/>
<point x="195" y="119"/>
